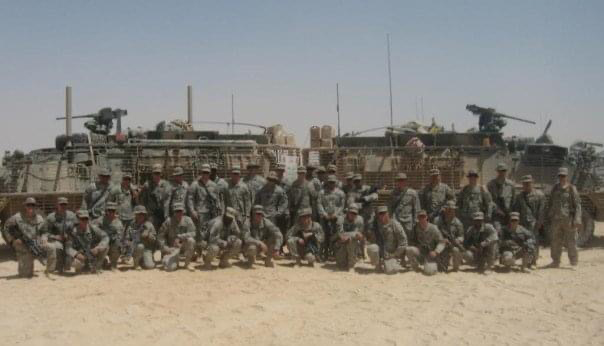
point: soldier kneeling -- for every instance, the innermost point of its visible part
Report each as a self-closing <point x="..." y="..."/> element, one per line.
<point x="176" y="236"/>
<point x="261" y="236"/>
<point x="225" y="239"/>
<point x="518" y="242"/>
<point x="480" y="243"/>
<point x="142" y="239"/>
<point x="304" y="238"/>
<point x="430" y="246"/>
<point x="349" y="231"/>
<point x="87" y="245"/>
<point x="389" y="243"/>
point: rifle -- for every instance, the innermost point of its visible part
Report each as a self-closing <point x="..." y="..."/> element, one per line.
<point x="31" y="244"/>
<point x="85" y="249"/>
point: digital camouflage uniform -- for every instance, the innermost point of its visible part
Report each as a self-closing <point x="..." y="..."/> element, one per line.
<point x="434" y="197"/>
<point x="564" y="212"/>
<point x="453" y="232"/>
<point x="481" y="246"/>
<point x="389" y="242"/>
<point x="517" y="244"/>
<point x="95" y="198"/>
<point x="33" y="228"/>
<point x="255" y="183"/>
<point x="58" y="226"/>
<point x="310" y="250"/>
<point x="264" y="232"/>
<point x="363" y="197"/>
<point x="203" y="205"/>
<point x="224" y="241"/>
<point x="404" y="206"/>
<point x="143" y="238"/>
<point x="153" y="197"/>
<point x="115" y="231"/>
<point x="331" y="208"/>
<point x="425" y="241"/>
<point x="346" y="252"/>
<point x="169" y="232"/>
<point x="239" y="198"/>
<point x="125" y="198"/>
<point x="531" y="206"/>
<point x="301" y="195"/>
<point x="274" y="201"/>
<point x="90" y="238"/>
<point x="503" y="194"/>
<point x="473" y="199"/>
<point x="174" y="195"/>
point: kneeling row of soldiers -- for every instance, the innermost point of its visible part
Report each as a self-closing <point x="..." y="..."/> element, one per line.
<point x="66" y="239"/>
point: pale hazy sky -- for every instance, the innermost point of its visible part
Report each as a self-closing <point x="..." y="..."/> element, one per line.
<point x="534" y="59"/>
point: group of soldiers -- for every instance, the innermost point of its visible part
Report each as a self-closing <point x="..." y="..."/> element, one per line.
<point x="315" y="217"/>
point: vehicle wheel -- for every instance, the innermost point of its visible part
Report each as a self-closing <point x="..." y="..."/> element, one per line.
<point x="586" y="230"/>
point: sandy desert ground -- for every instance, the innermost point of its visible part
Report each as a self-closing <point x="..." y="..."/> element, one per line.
<point x="311" y="306"/>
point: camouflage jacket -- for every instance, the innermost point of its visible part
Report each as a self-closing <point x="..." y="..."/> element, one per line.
<point x="142" y="233"/>
<point x="220" y="231"/>
<point x="175" y="194"/>
<point x="95" y="198"/>
<point x="239" y="198"/>
<point x="363" y="199"/>
<point x="346" y="226"/>
<point x="565" y="204"/>
<point x="264" y="231"/>
<point x="433" y="198"/>
<point x="90" y="238"/>
<point x="300" y="195"/>
<point x="60" y="224"/>
<point x="429" y="239"/>
<point x="331" y="203"/>
<point x="204" y="199"/>
<point x="516" y="240"/>
<point x="473" y="199"/>
<point x="451" y="230"/>
<point x="30" y="227"/>
<point x="255" y="183"/>
<point x="315" y="228"/>
<point x="474" y="237"/>
<point x="531" y="206"/>
<point x="404" y="206"/>
<point x="153" y="196"/>
<point x="392" y="234"/>
<point x="125" y="199"/>
<point x="273" y="200"/>
<point x="503" y="196"/>
<point x="114" y="229"/>
<point x="172" y="229"/>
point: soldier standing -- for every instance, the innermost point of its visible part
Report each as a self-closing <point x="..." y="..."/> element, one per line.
<point x="301" y="195"/>
<point x="273" y="199"/>
<point x="142" y="238"/>
<point x="176" y="236"/>
<point x="260" y="235"/>
<point x="564" y="211"/>
<point x="480" y="242"/>
<point x="153" y="196"/>
<point x="348" y="185"/>
<point x="322" y="176"/>
<point x="473" y="198"/>
<point x="453" y="233"/>
<point x="203" y="204"/>
<point x="332" y="170"/>
<point x="238" y="196"/>
<point x="503" y="193"/>
<point x="404" y="204"/>
<point x="311" y="176"/>
<point x="113" y="227"/>
<point x="517" y="242"/>
<point x="125" y="196"/>
<point x="281" y="178"/>
<point x="331" y="203"/>
<point x="28" y="227"/>
<point x="304" y="238"/>
<point x="224" y="239"/>
<point x="87" y="245"/>
<point x="530" y="204"/>
<point x="434" y="195"/>
<point x="428" y="246"/>
<point x="176" y="193"/>
<point x="97" y="194"/>
<point x="389" y="242"/>
<point x="254" y="180"/>
<point x="59" y="224"/>
<point x="221" y="184"/>
<point x="346" y="238"/>
<point x="362" y="195"/>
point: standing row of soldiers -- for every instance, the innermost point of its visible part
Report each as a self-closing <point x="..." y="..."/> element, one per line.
<point x="316" y="217"/>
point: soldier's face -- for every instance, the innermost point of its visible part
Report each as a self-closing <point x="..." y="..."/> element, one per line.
<point x="473" y="180"/>
<point x="156" y="177"/>
<point x="423" y="220"/>
<point x="258" y="218"/>
<point x="435" y="179"/>
<point x="477" y="223"/>
<point x="527" y="186"/>
<point x="178" y="179"/>
<point x="83" y="223"/>
<point x="61" y="208"/>
<point x="235" y="177"/>
<point x="126" y="182"/>
<point x="351" y="216"/>
<point x="357" y="183"/>
<point x="513" y="224"/>
<point x="104" y="179"/>
<point x="502" y="174"/>
<point x="450" y="213"/>
<point x="29" y="209"/>
<point x="301" y="176"/>
<point x="110" y="214"/>
<point x="305" y="220"/>
<point x="140" y="218"/>
<point x="401" y="183"/>
<point x="384" y="218"/>
<point x="205" y="176"/>
<point x="562" y="179"/>
<point x="178" y="214"/>
<point x="213" y="173"/>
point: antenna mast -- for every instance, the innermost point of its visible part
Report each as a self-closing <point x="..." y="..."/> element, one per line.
<point x="338" y="106"/>
<point x="389" y="77"/>
<point x="233" y="113"/>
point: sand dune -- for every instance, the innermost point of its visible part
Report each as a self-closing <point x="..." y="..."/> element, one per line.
<point x="312" y="306"/>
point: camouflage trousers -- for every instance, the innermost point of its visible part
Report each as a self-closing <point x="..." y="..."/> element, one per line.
<point x="25" y="260"/>
<point x="171" y="255"/>
<point x="224" y="249"/>
<point x="309" y="251"/>
<point x="563" y="234"/>
<point x="419" y="256"/>
<point x="508" y="258"/>
<point x="115" y="251"/>
<point x="143" y="257"/>
<point x="79" y="265"/>
<point x="453" y="255"/>
<point x="250" y="249"/>
<point x="391" y="261"/>
<point x="483" y="257"/>
<point x="346" y="252"/>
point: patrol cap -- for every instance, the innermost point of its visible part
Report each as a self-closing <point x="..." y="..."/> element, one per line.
<point x="563" y="171"/>
<point x="357" y="177"/>
<point x="30" y="201"/>
<point x="349" y="176"/>
<point x="280" y="167"/>
<point x="213" y="166"/>
<point x="502" y="167"/>
<point x="178" y="207"/>
<point x="332" y="179"/>
<point x="472" y="173"/>
<point x="205" y="168"/>
<point x="321" y="169"/>
<point x="450" y="205"/>
<point x="127" y="175"/>
<point x="236" y="170"/>
<point x="332" y="168"/>
<point x="272" y="176"/>
<point x="382" y="209"/>
<point x="434" y="171"/>
<point x="230" y="213"/>
<point x="253" y="164"/>
<point x="258" y="209"/>
<point x="311" y="167"/>
<point x="515" y="216"/>
<point x="305" y="212"/>
<point x="83" y="214"/>
<point x="140" y="209"/>
<point x="111" y="206"/>
<point x="178" y="171"/>
<point x="478" y="216"/>
<point x="157" y="168"/>
<point x="301" y="169"/>
<point x="62" y="200"/>
<point x="422" y="213"/>
<point x="352" y="209"/>
<point x="526" y="178"/>
<point x="104" y="172"/>
<point x="401" y="176"/>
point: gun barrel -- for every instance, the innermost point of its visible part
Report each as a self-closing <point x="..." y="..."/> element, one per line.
<point x="515" y="118"/>
<point x="79" y="116"/>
